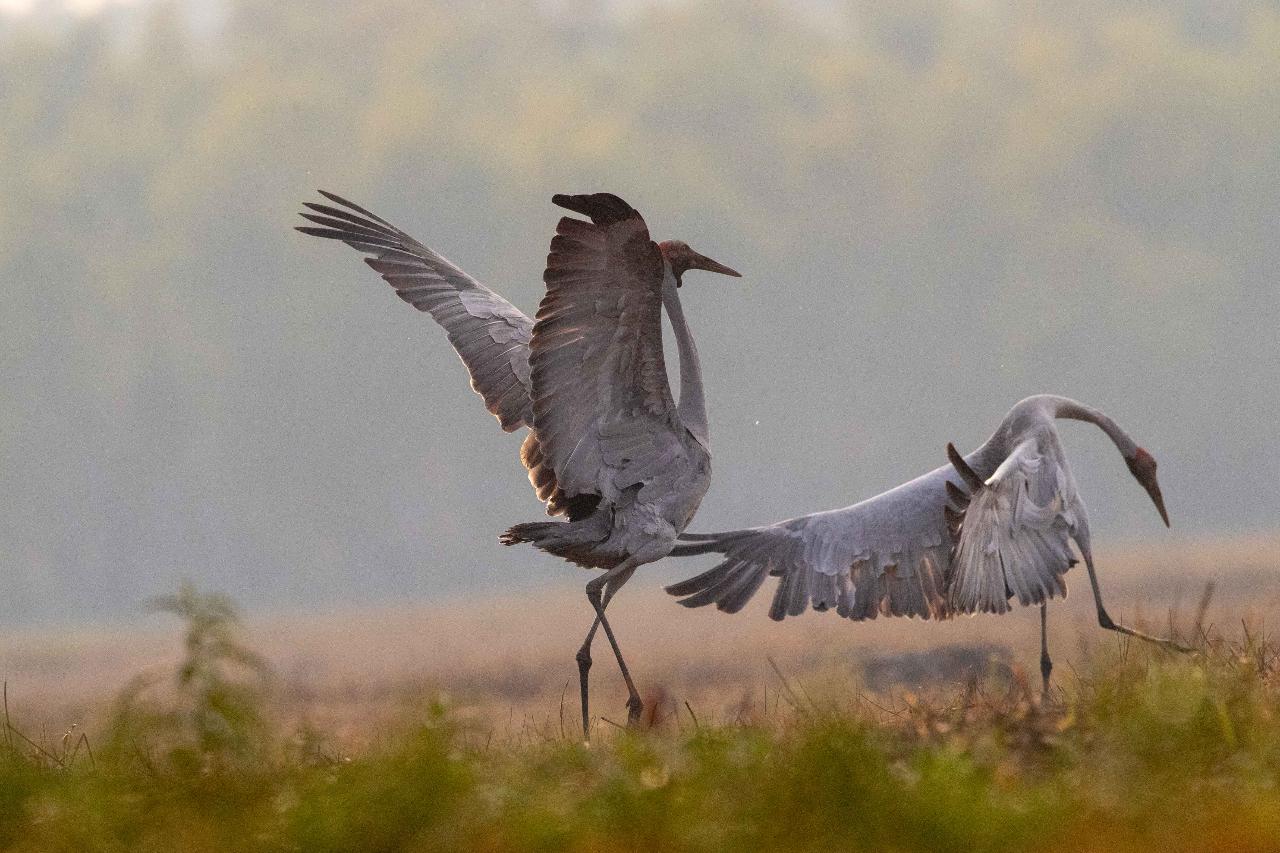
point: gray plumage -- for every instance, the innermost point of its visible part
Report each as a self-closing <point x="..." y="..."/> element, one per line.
<point x="490" y="334"/>
<point x="605" y="424"/>
<point x="1012" y="532"/>
<point x="967" y="537"/>
<point x="608" y="447"/>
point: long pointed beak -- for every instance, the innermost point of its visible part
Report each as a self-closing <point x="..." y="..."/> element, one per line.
<point x="1153" y="489"/>
<point x="701" y="262"/>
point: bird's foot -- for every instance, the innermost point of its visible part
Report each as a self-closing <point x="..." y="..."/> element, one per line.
<point x="635" y="707"/>
<point x="1111" y="625"/>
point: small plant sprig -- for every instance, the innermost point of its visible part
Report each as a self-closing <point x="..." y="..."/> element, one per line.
<point x="211" y="719"/>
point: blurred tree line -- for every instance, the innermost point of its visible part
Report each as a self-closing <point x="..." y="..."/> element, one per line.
<point x="939" y="206"/>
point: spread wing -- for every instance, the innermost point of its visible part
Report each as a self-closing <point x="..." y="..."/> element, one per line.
<point x="1012" y="534"/>
<point x="490" y="334"/>
<point x="884" y="556"/>
<point x="604" y="419"/>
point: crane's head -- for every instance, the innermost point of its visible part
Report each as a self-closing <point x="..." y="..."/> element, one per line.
<point x="1143" y="467"/>
<point x="682" y="259"/>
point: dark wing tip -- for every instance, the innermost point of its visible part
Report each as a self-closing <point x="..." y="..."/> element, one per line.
<point x="970" y="477"/>
<point x="334" y="197"/>
<point x="601" y="208"/>
<point x="319" y="232"/>
<point x="351" y="205"/>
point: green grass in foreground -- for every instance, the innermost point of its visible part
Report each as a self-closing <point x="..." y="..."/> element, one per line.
<point x="1143" y="750"/>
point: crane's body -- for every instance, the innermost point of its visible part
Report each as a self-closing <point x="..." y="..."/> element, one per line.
<point x="651" y="464"/>
<point x="967" y="537"/>
<point x="608" y="448"/>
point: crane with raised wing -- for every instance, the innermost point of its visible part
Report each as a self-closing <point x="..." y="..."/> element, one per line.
<point x="608" y="446"/>
<point x="968" y="537"/>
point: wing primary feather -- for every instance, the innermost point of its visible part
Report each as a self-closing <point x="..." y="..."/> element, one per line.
<point x="970" y="477"/>
<point x="337" y="199"/>
<point x="602" y="208"/>
<point x="489" y="333"/>
<point x="353" y="218"/>
<point x="957" y="495"/>
<point x="345" y="225"/>
<point x="737" y="598"/>
<point x="699" y="582"/>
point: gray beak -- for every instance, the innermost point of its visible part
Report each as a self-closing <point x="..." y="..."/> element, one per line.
<point x="701" y="262"/>
<point x="1153" y="489"/>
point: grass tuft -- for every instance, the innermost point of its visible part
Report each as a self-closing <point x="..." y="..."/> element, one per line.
<point x="1139" y="749"/>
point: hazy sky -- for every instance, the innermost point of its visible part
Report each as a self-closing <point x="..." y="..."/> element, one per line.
<point x="938" y="209"/>
<point x="78" y="7"/>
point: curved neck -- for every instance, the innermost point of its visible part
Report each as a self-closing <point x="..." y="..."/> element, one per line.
<point x="1072" y="410"/>
<point x="692" y="407"/>
<point x="1046" y="407"/>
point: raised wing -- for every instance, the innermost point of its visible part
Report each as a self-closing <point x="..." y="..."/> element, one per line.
<point x="489" y="333"/>
<point x="884" y="556"/>
<point x="604" y="419"/>
<point x="1012" y="532"/>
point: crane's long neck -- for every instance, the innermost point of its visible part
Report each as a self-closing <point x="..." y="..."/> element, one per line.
<point x="1038" y="409"/>
<point x="693" y="406"/>
<point x="1073" y="410"/>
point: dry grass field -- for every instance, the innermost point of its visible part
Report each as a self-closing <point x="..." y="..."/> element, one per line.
<point x="451" y="727"/>
<point x="508" y="663"/>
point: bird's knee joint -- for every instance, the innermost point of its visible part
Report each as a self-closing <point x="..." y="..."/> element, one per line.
<point x="584" y="658"/>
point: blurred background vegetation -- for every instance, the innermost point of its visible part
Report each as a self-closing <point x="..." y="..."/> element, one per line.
<point x="939" y="207"/>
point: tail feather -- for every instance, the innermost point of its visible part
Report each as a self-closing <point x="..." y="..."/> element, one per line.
<point x="579" y="542"/>
<point x="533" y="532"/>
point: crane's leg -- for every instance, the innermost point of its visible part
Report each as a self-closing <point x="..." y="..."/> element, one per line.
<point x="1107" y="622"/>
<point x="611" y="581"/>
<point x="599" y="592"/>
<point x="584" y="668"/>
<point x="1046" y="665"/>
<point x="584" y="663"/>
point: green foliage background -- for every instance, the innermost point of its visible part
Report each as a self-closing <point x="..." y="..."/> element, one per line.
<point x="940" y="207"/>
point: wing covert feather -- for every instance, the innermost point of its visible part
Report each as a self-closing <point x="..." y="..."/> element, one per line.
<point x="885" y="556"/>
<point x="1013" y="537"/>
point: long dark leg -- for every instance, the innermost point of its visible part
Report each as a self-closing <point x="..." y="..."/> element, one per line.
<point x="1111" y="625"/>
<point x="599" y="593"/>
<point x="584" y="664"/>
<point x="584" y="667"/>
<point x="594" y="589"/>
<point x="1046" y="664"/>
